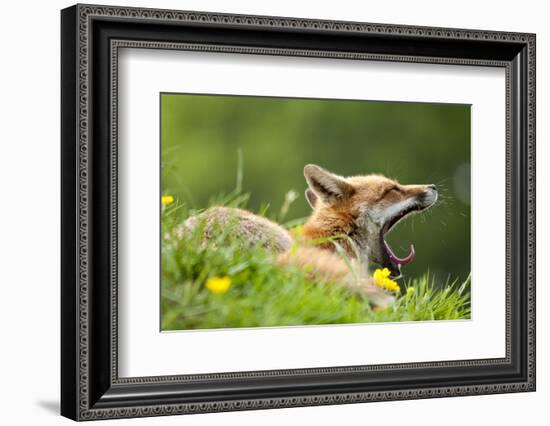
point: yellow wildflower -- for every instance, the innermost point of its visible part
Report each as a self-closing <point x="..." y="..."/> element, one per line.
<point x="382" y="279"/>
<point x="218" y="285"/>
<point x="166" y="200"/>
<point x="410" y="291"/>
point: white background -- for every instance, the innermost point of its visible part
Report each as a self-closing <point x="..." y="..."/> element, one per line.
<point x="29" y="229"/>
<point x="146" y="352"/>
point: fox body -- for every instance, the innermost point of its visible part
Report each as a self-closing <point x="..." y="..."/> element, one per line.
<point x="357" y="211"/>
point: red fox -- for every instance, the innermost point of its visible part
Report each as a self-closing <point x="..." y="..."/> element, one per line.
<point x="354" y="213"/>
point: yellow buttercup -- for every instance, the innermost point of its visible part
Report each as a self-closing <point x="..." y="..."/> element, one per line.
<point x="382" y="278"/>
<point x="166" y="200"/>
<point x="218" y="285"/>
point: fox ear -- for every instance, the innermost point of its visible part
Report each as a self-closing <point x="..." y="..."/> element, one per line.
<point x="311" y="197"/>
<point x="329" y="187"/>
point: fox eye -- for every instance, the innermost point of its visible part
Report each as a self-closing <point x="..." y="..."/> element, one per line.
<point x="394" y="189"/>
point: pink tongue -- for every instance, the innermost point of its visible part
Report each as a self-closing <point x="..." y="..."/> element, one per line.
<point x="399" y="261"/>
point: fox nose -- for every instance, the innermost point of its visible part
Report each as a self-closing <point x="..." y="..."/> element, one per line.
<point x="432" y="186"/>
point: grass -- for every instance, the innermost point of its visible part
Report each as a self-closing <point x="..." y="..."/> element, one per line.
<point x="263" y="293"/>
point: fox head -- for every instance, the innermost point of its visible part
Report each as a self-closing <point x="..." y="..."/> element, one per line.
<point x="365" y="209"/>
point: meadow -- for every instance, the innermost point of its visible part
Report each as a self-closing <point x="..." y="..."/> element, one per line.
<point x="226" y="283"/>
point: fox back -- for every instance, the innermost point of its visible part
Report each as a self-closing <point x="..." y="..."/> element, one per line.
<point x="245" y="226"/>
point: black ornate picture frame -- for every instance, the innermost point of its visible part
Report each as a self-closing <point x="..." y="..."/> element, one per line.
<point x="91" y="36"/>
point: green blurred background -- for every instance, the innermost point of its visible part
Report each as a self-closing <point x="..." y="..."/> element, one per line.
<point x="411" y="142"/>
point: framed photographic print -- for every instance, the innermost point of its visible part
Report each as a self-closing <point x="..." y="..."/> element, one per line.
<point x="263" y="212"/>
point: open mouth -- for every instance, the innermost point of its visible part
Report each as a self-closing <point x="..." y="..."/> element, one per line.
<point x="390" y="259"/>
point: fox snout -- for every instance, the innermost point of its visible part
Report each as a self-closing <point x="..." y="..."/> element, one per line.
<point x="428" y="196"/>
